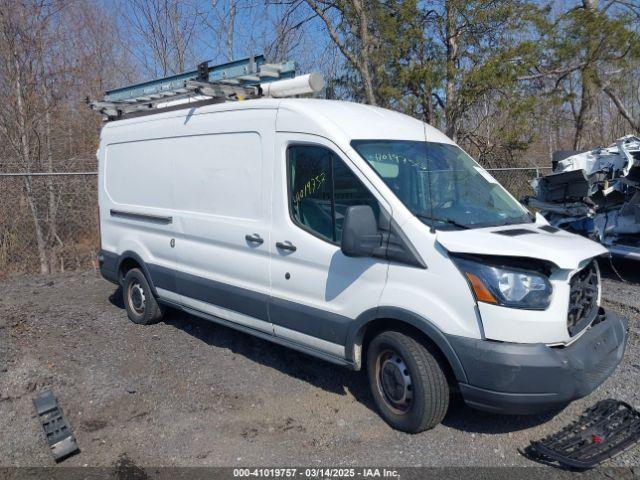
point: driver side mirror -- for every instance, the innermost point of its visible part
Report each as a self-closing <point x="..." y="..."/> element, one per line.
<point x="360" y="234"/>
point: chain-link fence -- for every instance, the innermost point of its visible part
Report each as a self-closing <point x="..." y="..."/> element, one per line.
<point x="49" y="222"/>
<point x="518" y="180"/>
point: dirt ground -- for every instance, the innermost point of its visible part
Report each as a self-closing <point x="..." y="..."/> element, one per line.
<point x="186" y="392"/>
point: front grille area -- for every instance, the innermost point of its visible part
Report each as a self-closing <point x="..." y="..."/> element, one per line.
<point x="583" y="298"/>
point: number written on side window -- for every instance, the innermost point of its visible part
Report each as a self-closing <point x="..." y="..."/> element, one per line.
<point x="321" y="188"/>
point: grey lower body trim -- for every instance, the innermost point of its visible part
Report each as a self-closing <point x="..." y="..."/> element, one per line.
<point x="314" y="329"/>
<point x="261" y="334"/>
<point x="313" y="342"/>
<point x="358" y="328"/>
<point x="327" y="327"/>
<point x="529" y="378"/>
<point x="252" y="304"/>
<point x="252" y="323"/>
<point x="310" y="321"/>
<point x="216" y="311"/>
<point x="510" y="403"/>
<point x="108" y="265"/>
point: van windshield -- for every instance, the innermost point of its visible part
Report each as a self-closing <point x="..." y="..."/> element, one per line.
<point x="442" y="185"/>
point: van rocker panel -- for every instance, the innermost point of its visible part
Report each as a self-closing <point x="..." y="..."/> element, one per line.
<point x="293" y="316"/>
<point x="247" y="302"/>
<point x="528" y="378"/>
<point x="313" y="322"/>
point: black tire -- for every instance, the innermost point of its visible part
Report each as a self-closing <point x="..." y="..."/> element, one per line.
<point x="142" y="307"/>
<point x="408" y="383"/>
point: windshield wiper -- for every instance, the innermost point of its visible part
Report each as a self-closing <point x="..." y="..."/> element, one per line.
<point x="443" y="220"/>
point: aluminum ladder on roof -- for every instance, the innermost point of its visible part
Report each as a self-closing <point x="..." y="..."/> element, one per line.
<point x="236" y="80"/>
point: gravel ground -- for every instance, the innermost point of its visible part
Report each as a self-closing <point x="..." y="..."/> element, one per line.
<point x="186" y="392"/>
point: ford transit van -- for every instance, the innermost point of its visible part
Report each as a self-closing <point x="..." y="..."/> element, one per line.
<point x="360" y="236"/>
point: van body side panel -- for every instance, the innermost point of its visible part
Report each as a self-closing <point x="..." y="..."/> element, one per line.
<point x="222" y="197"/>
<point x="134" y="192"/>
<point x="438" y="293"/>
<point x="210" y="175"/>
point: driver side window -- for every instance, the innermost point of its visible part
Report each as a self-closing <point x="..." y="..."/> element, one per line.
<point x="321" y="188"/>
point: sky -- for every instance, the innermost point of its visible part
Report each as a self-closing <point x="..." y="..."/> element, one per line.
<point x="255" y="30"/>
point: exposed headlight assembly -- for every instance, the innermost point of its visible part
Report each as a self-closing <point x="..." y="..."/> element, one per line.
<point x="506" y="286"/>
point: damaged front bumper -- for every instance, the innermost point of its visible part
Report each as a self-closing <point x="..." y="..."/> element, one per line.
<point x="517" y="378"/>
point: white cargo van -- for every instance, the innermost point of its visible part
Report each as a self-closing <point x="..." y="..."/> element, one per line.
<point x="361" y="236"/>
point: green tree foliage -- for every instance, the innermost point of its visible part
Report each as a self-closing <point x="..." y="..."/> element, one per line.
<point x="453" y="63"/>
<point x="586" y="51"/>
<point x="488" y="71"/>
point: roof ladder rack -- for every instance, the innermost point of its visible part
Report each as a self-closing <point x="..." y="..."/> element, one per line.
<point x="237" y="80"/>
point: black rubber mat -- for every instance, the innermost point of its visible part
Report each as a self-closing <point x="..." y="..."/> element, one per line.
<point x="56" y="428"/>
<point x="601" y="432"/>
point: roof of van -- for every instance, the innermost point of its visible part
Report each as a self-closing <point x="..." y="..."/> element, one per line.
<point x="318" y="116"/>
<point x="356" y="120"/>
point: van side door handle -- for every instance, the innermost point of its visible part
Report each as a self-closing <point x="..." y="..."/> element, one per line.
<point x="254" y="238"/>
<point x="288" y="246"/>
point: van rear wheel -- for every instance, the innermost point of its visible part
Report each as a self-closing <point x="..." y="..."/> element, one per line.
<point x="407" y="381"/>
<point x="142" y="307"/>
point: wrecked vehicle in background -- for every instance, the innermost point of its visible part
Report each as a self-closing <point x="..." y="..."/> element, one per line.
<point x="595" y="194"/>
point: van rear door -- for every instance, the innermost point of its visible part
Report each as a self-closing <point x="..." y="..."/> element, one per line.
<point x="136" y="205"/>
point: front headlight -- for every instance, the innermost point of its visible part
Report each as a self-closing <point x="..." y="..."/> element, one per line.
<point x="506" y="286"/>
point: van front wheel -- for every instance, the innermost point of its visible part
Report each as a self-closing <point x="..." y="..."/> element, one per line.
<point x="408" y="384"/>
<point x="139" y="301"/>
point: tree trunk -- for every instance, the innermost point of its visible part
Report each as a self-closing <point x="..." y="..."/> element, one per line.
<point x="588" y="77"/>
<point x="40" y="241"/>
<point x="231" y="30"/>
<point x="26" y="160"/>
<point x="427" y="107"/>
<point x="626" y="114"/>
<point x="586" y="113"/>
<point x="365" y="61"/>
<point x="361" y="61"/>
<point x="451" y="41"/>
<point x="52" y="235"/>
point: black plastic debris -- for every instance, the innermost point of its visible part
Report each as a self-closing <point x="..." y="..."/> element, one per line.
<point x="56" y="428"/>
<point x="601" y="432"/>
<point x="564" y="186"/>
<point x="595" y="194"/>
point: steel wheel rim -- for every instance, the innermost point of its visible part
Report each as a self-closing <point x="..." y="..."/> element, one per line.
<point x="394" y="381"/>
<point x="137" y="299"/>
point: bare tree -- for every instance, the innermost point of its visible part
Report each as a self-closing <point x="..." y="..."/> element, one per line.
<point x="617" y="101"/>
<point x="355" y="14"/>
<point x="286" y="34"/>
<point x="45" y="72"/>
<point x="166" y="29"/>
<point x="222" y="25"/>
<point x="22" y="28"/>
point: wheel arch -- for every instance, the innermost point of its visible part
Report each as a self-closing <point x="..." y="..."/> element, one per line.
<point x="129" y="260"/>
<point x="381" y="318"/>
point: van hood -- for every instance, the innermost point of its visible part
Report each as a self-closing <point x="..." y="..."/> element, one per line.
<point x="564" y="249"/>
